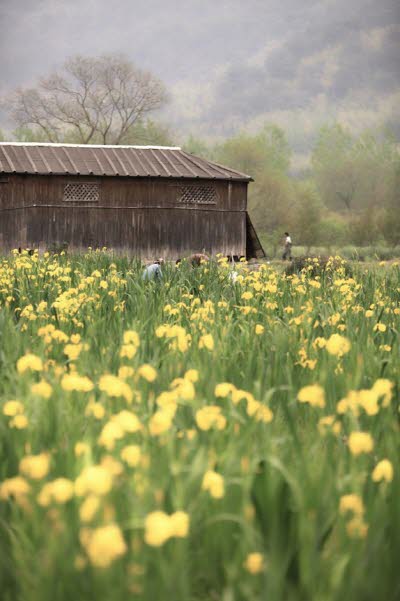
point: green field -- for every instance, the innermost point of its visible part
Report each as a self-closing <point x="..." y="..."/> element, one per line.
<point x="198" y="439"/>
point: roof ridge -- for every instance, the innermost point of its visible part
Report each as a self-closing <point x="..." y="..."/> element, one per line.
<point x="110" y="160"/>
<point x="60" y="145"/>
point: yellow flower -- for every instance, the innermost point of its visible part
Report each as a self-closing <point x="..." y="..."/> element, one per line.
<point x="192" y="375"/>
<point x="167" y="400"/>
<point x="42" y="389"/>
<point x="383" y="388"/>
<point x="338" y="345"/>
<point x="35" y="466"/>
<point x="262" y="413"/>
<point x="115" y="387"/>
<point x="73" y="351"/>
<point x="349" y="403"/>
<point x="379" y="327"/>
<point x="11" y="408"/>
<point x="313" y="394"/>
<point x="328" y="423"/>
<point x="29" y="361"/>
<point x="183" y="389"/>
<point x="94" y="479"/>
<point x="319" y="342"/>
<point x="128" y="351"/>
<point x="16" y="487"/>
<point x="247" y="295"/>
<point x="95" y="409"/>
<point x="60" y="491"/>
<point x="161" y="331"/>
<point x="128" y="421"/>
<point x="111" y="432"/>
<point x="160" y="422"/>
<point x="131" y="337"/>
<point x="147" y="372"/>
<point x="383" y="471"/>
<point x="254" y="563"/>
<point x="368" y="399"/>
<point x="59" y="336"/>
<point x="210" y="416"/>
<point x="105" y="545"/>
<point x="114" y="467"/>
<point x="20" y="422"/>
<point x="360" y="442"/>
<point x="179" y="524"/>
<point x="81" y="448"/>
<point x="223" y="390"/>
<point x="207" y="342"/>
<point x="239" y="395"/>
<point x="131" y="455"/>
<point x="357" y="528"/>
<point x="214" y="484"/>
<point x="158" y="528"/>
<point x="125" y="371"/>
<point x="74" y="382"/>
<point x="352" y="503"/>
<point x="89" y="508"/>
<point x="259" y="329"/>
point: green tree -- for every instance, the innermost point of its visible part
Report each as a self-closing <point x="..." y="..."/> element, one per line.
<point x="252" y="154"/>
<point x="143" y="133"/>
<point x="266" y="157"/>
<point x="354" y="173"/>
<point x="365" y="226"/>
<point x="333" y="231"/>
<point x="334" y="167"/>
<point x="391" y="218"/>
<point x="198" y="147"/>
<point x="149" y="133"/>
<point x="271" y="203"/>
<point x="27" y="134"/>
<point x="306" y="218"/>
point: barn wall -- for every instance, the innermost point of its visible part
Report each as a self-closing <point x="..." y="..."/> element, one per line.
<point x="143" y="216"/>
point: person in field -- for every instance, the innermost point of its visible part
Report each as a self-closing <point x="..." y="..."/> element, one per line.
<point x="198" y="258"/>
<point x="153" y="271"/>
<point x="287" y="247"/>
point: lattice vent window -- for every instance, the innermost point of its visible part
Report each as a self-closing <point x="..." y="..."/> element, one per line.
<point x="206" y="195"/>
<point x="82" y="192"/>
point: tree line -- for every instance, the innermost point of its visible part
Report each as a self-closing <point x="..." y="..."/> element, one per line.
<point x="349" y="194"/>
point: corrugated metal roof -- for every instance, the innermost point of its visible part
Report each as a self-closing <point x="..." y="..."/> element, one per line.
<point x="121" y="161"/>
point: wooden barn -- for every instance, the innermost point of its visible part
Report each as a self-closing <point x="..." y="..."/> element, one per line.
<point x="149" y="201"/>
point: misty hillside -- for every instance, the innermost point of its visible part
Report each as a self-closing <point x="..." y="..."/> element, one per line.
<point x="228" y="65"/>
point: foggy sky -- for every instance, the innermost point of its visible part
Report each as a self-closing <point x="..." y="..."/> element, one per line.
<point x="228" y="64"/>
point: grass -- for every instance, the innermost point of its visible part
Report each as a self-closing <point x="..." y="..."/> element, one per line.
<point x="272" y="497"/>
<point x="377" y="252"/>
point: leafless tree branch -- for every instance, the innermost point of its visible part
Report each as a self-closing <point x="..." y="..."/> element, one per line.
<point x="95" y="99"/>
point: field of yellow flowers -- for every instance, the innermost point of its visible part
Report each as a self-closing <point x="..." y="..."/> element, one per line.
<point x="199" y="438"/>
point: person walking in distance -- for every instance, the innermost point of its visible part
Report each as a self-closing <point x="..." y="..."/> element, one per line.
<point x="287" y="247"/>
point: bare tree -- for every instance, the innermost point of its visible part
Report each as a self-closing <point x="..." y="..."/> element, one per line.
<point x="90" y="100"/>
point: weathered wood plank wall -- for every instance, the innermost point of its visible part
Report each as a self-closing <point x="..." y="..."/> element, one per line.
<point x="139" y="215"/>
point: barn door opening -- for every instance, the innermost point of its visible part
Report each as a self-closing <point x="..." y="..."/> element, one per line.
<point x="254" y="249"/>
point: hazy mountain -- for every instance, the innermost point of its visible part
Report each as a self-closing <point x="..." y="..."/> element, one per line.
<point x="228" y="64"/>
